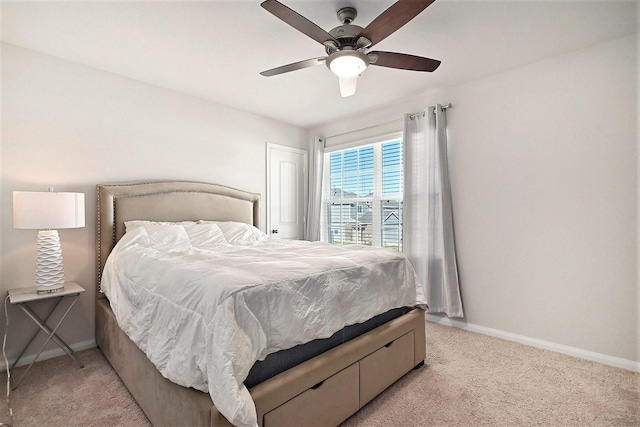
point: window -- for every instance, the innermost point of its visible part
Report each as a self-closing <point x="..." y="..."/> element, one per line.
<point x="362" y="203"/>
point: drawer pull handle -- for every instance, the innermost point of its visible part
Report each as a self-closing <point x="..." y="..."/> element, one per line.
<point x="317" y="385"/>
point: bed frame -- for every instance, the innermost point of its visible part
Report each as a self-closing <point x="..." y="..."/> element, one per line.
<point x="324" y="391"/>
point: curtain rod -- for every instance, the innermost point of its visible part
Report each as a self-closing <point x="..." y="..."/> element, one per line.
<point x="422" y="113"/>
<point x="412" y="116"/>
<point x="368" y="127"/>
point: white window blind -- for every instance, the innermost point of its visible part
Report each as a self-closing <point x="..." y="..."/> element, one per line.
<point x="362" y="200"/>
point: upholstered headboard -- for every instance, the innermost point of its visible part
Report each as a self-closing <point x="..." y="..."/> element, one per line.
<point x="166" y="201"/>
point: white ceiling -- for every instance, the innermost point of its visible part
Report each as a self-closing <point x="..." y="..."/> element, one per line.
<point x="216" y="49"/>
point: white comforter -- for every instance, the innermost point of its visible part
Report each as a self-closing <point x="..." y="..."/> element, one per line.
<point x="205" y="312"/>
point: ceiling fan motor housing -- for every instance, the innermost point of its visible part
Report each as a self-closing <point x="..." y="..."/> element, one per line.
<point x="346" y="35"/>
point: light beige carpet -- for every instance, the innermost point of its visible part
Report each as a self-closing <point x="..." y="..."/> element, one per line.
<point x="469" y="380"/>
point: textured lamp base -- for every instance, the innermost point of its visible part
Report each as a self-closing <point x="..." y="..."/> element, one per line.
<point x="49" y="270"/>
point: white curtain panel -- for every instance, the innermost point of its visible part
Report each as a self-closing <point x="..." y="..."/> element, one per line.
<point x="428" y="235"/>
<point x="314" y="204"/>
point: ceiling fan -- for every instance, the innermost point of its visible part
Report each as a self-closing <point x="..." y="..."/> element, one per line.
<point x="347" y="46"/>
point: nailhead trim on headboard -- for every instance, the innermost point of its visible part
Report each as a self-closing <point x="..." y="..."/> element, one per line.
<point x="98" y="241"/>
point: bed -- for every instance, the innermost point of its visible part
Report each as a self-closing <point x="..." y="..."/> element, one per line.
<point x="323" y="390"/>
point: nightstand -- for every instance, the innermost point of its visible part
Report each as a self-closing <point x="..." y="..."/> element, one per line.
<point x="22" y="297"/>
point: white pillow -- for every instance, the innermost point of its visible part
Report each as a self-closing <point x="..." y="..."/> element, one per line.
<point x="239" y="232"/>
<point x="130" y="225"/>
<point x="199" y="234"/>
<point x="205" y="235"/>
<point x="172" y="237"/>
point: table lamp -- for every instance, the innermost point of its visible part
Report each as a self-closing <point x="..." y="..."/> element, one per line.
<point x="48" y="211"/>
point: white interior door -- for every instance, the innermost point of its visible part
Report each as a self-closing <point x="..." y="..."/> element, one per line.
<point x="286" y="191"/>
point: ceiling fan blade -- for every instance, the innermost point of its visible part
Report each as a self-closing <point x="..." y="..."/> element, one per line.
<point x="297" y="21"/>
<point x="393" y="19"/>
<point x="348" y="86"/>
<point x="403" y="61"/>
<point x="293" y="67"/>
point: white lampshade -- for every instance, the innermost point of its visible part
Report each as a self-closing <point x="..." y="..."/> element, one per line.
<point x="47" y="210"/>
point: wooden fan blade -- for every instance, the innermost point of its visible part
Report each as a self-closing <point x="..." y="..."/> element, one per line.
<point x="293" y="67"/>
<point x="393" y="19"/>
<point x="297" y="21"/>
<point x="403" y="61"/>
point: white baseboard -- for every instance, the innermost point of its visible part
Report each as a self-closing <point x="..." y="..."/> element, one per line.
<point x="534" y="342"/>
<point x="49" y="354"/>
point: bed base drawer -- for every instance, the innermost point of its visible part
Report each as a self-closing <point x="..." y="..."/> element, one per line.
<point x="385" y="366"/>
<point x="327" y="403"/>
<point x="383" y="354"/>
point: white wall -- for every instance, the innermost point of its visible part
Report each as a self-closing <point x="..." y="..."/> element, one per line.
<point x="72" y="127"/>
<point x="543" y="168"/>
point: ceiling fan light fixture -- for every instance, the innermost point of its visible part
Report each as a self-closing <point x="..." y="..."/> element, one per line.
<point x="347" y="63"/>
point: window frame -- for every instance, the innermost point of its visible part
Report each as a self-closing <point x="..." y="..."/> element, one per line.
<point x="377" y="198"/>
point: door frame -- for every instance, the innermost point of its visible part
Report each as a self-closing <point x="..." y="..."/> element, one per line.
<point x="305" y="176"/>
